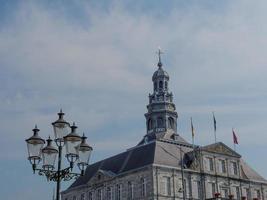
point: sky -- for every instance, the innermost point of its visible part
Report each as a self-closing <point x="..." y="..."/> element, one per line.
<point x="95" y="60"/>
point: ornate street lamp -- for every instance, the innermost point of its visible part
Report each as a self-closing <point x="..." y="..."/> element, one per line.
<point x="84" y="154"/>
<point x="34" y="144"/>
<point x="61" y="129"/>
<point x="76" y="150"/>
<point x="72" y="141"/>
<point x="49" y="155"/>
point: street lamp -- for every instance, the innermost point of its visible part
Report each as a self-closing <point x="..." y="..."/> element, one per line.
<point x="76" y="150"/>
<point x="34" y="144"/>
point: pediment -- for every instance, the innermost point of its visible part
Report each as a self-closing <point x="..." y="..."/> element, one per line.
<point x="221" y="148"/>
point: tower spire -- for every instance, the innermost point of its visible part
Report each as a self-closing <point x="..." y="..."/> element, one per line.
<point x="159" y="55"/>
<point x="161" y="117"/>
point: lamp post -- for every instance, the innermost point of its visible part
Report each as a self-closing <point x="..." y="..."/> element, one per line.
<point x="77" y="150"/>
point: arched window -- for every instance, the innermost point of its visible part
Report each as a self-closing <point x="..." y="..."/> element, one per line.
<point x="170" y="122"/>
<point x="160" y="85"/>
<point x="149" y="124"/>
<point x="166" y="85"/>
<point x="160" y="122"/>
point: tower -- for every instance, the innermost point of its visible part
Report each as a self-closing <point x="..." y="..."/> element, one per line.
<point x="161" y="117"/>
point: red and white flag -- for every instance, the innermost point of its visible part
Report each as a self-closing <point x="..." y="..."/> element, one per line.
<point x="234" y="137"/>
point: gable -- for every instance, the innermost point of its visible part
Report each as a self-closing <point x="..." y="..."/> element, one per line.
<point x="220" y="148"/>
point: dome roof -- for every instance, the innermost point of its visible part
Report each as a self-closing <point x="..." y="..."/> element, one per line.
<point x="159" y="73"/>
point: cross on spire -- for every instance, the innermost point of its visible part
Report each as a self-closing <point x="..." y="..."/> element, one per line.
<point x="159" y="55"/>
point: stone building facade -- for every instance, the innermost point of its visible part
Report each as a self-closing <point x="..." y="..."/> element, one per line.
<point x="164" y="166"/>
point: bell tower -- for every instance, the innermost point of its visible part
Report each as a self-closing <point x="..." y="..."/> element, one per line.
<point x="161" y="117"/>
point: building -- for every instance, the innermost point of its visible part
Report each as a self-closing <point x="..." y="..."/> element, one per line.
<point x="165" y="166"/>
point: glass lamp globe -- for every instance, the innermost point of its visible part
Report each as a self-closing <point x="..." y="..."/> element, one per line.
<point x="84" y="154"/>
<point x="49" y="155"/>
<point x="72" y="142"/>
<point x="34" y="144"/>
<point x="61" y="129"/>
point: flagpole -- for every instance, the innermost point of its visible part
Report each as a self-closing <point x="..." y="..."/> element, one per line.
<point x="193" y="133"/>
<point x="214" y="124"/>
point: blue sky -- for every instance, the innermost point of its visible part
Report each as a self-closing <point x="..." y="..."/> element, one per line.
<point x="95" y="60"/>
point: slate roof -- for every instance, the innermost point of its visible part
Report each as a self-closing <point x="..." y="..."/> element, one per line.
<point x="159" y="152"/>
<point x="155" y="152"/>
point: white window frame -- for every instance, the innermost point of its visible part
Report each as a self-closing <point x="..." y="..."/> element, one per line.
<point x="130" y="190"/>
<point x="143" y="187"/>
<point x="210" y="164"/>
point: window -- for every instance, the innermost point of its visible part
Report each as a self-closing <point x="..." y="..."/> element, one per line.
<point x="155" y="86"/>
<point x="99" y="194"/>
<point x="170" y="122"/>
<point x="109" y="193"/>
<point x="150" y="124"/>
<point x="130" y="190"/>
<point x="165" y="185"/>
<point x="82" y="196"/>
<point x="90" y="196"/>
<point x="160" y="122"/>
<point x="168" y="185"/>
<point x="213" y="190"/>
<point x="166" y="85"/>
<point x="118" y="192"/>
<point x="258" y="194"/>
<point x="210" y="164"/>
<point x="222" y="166"/>
<point x="247" y="193"/>
<point x="234" y="168"/>
<point x="237" y="192"/>
<point x="143" y="187"/>
<point x="224" y="192"/>
<point x="197" y="189"/>
<point x="74" y="198"/>
<point x="160" y="85"/>
<point x="185" y="187"/>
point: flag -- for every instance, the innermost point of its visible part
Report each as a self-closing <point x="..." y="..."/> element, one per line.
<point x="234" y="137"/>
<point x="192" y="128"/>
<point x="214" y="122"/>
